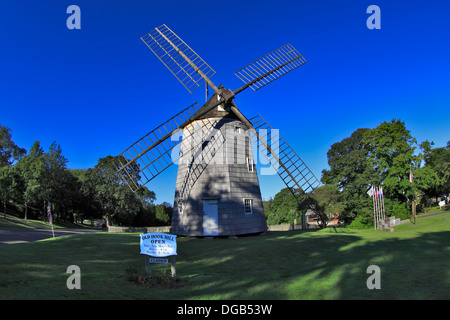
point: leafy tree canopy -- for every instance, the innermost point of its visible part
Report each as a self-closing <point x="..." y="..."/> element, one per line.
<point x="9" y="151"/>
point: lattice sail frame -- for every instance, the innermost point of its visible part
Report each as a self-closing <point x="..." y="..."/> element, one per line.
<point x="294" y="172"/>
<point x="152" y="154"/>
<point x="149" y="156"/>
<point x="161" y="42"/>
<point x="271" y="67"/>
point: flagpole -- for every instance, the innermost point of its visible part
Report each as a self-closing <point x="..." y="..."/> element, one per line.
<point x="49" y="215"/>
<point x="413" y="207"/>
<point x="53" y="233"/>
<point x="371" y="193"/>
<point x="378" y="205"/>
<point x="374" y="215"/>
<point x="383" y="213"/>
<point x="414" y="202"/>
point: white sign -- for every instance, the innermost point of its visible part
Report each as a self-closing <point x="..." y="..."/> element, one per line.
<point x="158" y="244"/>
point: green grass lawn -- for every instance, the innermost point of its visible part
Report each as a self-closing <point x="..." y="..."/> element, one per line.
<point x="14" y="222"/>
<point x="435" y="209"/>
<point x="324" y="264"/>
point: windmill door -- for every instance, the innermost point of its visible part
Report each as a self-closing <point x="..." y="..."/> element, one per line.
<point x="210" y="218"/>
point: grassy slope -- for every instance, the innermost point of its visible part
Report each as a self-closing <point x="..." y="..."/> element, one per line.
<point x="14" y="222"/>
<point x="325" y="264"/>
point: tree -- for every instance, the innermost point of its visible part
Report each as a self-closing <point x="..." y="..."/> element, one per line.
<point x="68" y="195"/>
<point x="46" y="178"/>
<point x="283" y="208"/>
<point x="10" y="185"/>
<point x="87" y="206"/>
<point x="324" y="202"/>
<point x="62" y="188"/>
<point x="162" y="215"/>
<point x="382" y="157"/>
<point x="55" y="164"/>
<point x="434" y="177"/>
<point x="391" y="154"/>
<point x="9" y="151"/>
<point x="117" y="202"/>
<point x="328" y="197"/>
<point x="351" y="171"/>
<point x="31" y="168"/>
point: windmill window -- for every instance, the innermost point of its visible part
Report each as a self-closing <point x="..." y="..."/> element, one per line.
<point x="248" y="206"/>
<point x="235" y="150"/>
<point x="213" y="149"/>
<point x="250" y="164"/>
<point x="237" y="129"/>
<point x="247" y="147"/>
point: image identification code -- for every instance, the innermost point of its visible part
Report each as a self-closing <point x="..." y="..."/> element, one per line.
<point x="235" y="309"/>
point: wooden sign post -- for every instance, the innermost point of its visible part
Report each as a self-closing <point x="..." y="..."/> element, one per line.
<point x="159" y="245"/>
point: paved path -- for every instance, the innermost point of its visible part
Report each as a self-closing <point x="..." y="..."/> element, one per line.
<point x="22" y="235"/>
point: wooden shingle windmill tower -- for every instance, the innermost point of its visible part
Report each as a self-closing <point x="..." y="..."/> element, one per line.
<point x="217" y="191"/>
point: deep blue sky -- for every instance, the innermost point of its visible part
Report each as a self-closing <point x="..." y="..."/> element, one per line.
<point x="95" y="91"/>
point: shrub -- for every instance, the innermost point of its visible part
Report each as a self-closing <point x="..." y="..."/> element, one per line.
<point x="361" y="222"/>
<point x="399" y="210"/>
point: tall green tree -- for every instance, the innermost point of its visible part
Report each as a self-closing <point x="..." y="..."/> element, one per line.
<point x="324" y="202"/>
<point x="10" y="185"/>
<point x="162" y="214"/>
<point x="32" y="169"/>
<point x="283" y="208"/>
<point x="351" y="171"/>
<point x="434" y="176"/>
<point x="382" y="157"/>
<point x="118" y="203"/>
<point x="9" y="151"/>
<point x="61" y="188"/>
<point x="87" y="206"/>
<point x="391" y="155"/>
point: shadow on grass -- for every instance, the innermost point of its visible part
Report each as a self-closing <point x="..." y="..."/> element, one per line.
<point x="277" y="265"/>
<point x="320" y="265"/>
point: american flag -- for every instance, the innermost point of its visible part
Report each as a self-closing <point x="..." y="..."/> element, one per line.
<point x="49" y="213"/>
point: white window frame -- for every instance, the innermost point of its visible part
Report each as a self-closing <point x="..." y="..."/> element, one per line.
<point x="248" y="205"/>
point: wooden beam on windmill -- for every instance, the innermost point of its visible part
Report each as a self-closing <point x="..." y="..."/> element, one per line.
<point x="184" y="63"/>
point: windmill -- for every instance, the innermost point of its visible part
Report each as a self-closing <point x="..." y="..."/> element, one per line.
<point x="217" y="190"/>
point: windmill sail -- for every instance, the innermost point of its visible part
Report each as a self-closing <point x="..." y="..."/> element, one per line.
<point x="289" y="166"/>
<point x="152" y="154"/>
<point x="167" y="144"/>
<point x="270" y="67"/>
<point x="184" y="63"/>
